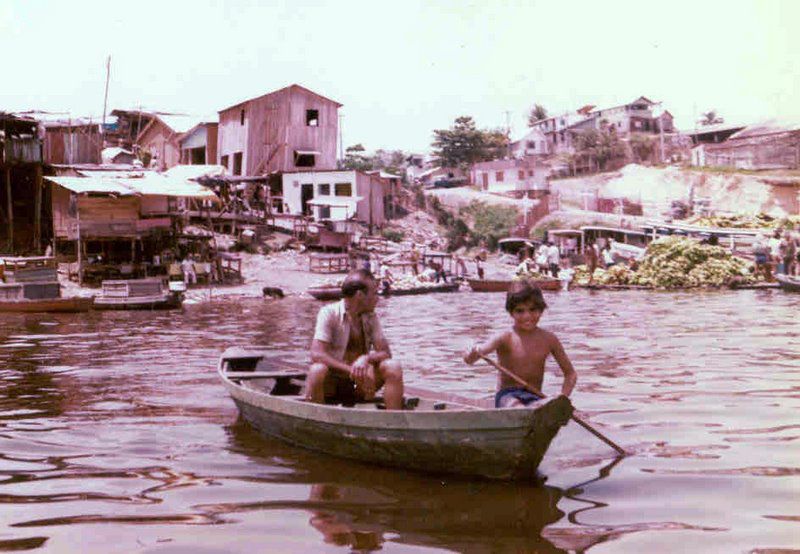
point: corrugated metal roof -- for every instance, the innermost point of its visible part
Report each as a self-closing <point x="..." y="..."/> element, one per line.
<point x="144" y="185"/>
<point x="768" y="127"/>
<point x="84" y="185"/>
<point x="195" y="171"/>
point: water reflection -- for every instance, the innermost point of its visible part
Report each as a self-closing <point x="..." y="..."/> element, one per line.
<point x="361" y="506"/>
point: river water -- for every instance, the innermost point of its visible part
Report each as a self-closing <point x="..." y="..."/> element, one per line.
<point x="115" y="435"/>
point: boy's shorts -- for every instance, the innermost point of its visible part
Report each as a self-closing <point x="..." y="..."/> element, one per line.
<point x="522" y="394"/>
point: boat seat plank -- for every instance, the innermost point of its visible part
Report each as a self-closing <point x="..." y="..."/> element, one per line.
<point x="265" y="374"/>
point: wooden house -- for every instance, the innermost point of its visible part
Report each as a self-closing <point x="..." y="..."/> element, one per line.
<point x="118" y="218"/>
<point x="291" y="129"/>
<point x="198" y="145"/>
<point x="771" y="144"/>
<point x="21" y="191"/>
<point x="161" y="139"/>
<point x="126" y="128"/>
<point x="337" y="195"/>
<point x="72" y="142"/>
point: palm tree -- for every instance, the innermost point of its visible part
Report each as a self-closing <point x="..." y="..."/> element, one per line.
<point x="537" y="113"/>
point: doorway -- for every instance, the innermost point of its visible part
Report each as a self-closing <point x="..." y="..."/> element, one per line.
<point x="306" y="195"/>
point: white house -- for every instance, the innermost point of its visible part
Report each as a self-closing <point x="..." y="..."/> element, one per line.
<point x="510" y="175"/>
<point x="337" y="195"/>
<point x="533" y="143"/>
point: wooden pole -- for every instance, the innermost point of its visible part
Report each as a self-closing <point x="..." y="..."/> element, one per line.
<point x="536" y="391"/>
<point x="10" y="209"/>
<point x="37" y="213"/>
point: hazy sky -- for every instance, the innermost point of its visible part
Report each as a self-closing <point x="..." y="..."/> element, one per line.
<point x="404" y="68"/>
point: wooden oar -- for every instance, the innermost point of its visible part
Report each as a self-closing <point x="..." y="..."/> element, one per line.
<point x="534" y="390"/>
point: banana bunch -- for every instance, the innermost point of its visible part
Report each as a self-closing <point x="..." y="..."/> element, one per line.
<point x="676" y="262"/>
<point x="406" y="282"/>
<point x="529" y="276"/>
<point x="747" y="221"/>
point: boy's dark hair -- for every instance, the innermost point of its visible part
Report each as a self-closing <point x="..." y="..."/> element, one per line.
<point x="355" y="281"/>
<point x="523" y="291"/>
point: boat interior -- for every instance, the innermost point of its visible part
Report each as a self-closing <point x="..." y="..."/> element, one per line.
<point x="254" y="372"/>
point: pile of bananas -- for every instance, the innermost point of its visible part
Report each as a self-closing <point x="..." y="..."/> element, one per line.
<point x="676" y="262"/>
<point x="406" y="282"/>
<point x="748" y="221"/>
<point x="530" y="276"/>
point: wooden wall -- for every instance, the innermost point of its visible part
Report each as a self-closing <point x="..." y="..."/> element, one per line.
<point x="275" y="127"/>
<point x="73" y="145"/>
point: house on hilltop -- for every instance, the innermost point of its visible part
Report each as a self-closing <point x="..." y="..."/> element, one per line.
<point x="291" y="129"/>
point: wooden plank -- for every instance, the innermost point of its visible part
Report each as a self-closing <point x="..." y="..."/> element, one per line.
<point x="264" y="374"/>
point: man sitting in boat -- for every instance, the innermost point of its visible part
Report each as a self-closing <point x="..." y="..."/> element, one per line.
<point x="351" y="357"/>
<point x="524" y="349"/>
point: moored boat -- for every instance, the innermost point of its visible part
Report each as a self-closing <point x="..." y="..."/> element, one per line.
<point x="788" y="283"/>
<point x="74" y="304"/>
<point x="502" y="285"/>
<point x="325" y="292"/>
<point x="137" y="294"/>
<point x="31" y="285"/>
<point x="442" y="287"/>
<point x="434" y="434"/>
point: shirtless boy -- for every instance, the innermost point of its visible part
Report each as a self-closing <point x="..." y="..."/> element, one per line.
<point x="524" y="349"/>
<point x="351" y="357"/>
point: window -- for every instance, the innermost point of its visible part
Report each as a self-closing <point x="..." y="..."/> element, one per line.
<point x="237" y="163"/>
<point x="312" y="118"/>
<point x="324" y="189"/>
<point x="521" y="174"/>
<point x="498" y="176"/>
<point x="224" y="161"/>
<point x="304" y="159"/>
<point x="241" y="117"/>
<point x="344" y="189"/>
<point x="532" y="144"/>
<point x="530" y="173"/>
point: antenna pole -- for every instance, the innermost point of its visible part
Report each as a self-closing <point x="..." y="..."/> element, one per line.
<point x="105" y="97"/>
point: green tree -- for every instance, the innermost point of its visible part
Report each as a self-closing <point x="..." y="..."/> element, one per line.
<point x="598" y="147"/>
<point x="537" y="113"/>
<point x="490" y="222"/>
<point x="642" y="146"/>
<point x="464" y="144"/>
<point x="711" y="117"/>
<point x="355" y="158"/>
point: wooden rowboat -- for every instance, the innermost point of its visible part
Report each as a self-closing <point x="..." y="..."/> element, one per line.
<point x="502" y="285"/>
<point x="444" y="287"/>
<point x="788" y="283"/>
<point x="75" y="304"/>
<point x="432" y="434"/>
<point x="329" y="292"/>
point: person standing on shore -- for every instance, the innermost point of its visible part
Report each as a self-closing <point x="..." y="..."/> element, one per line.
<point x="590" y="256"/>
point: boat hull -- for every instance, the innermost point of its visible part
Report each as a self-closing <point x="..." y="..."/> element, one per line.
<point x="67" y="305"/>
<point x="160" y="302"/>
<point x="490" y="443"/>
<point x="502" y="285"/>
<point x="325" y="293"/>
<point x="790" y="284"/>
<point x="446" y="287"/>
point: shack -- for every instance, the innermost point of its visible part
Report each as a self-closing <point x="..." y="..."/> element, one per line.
<point x="117" y="224"/>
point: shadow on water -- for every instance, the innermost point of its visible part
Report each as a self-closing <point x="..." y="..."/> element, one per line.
<point x="363" y="506"/>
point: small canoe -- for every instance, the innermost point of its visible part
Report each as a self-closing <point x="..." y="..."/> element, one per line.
<point x="788" y="283"/>
<point x="502" y="285"/>
<point x="74" y="304"/>
<point x="325" y="292"/>
<point x="434" y="434"/>
<point x="444" y="287"/>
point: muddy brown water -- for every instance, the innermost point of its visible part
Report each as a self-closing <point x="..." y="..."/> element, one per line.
<point x="115" y="435"/>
